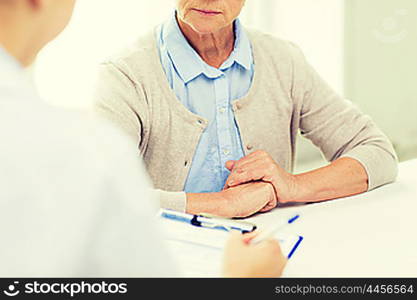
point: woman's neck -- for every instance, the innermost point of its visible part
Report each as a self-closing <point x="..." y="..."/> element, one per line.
<point x="214" y="48"/>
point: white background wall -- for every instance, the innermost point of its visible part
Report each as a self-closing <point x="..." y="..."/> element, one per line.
<point x="98" y="29"/>
<point x="381" y="66"/>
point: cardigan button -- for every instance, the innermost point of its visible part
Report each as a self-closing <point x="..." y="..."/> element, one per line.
<point x="201" y="122"/>
<point x="249" y="147"/>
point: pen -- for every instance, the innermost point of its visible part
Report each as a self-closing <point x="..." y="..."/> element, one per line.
<point x="206" y="221"/>
<point x="269" y="233"/>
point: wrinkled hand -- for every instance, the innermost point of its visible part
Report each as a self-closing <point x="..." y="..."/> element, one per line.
<point x="241" y="259"/>
<point x="247" y="199"/>
<point x="260" y="166"/>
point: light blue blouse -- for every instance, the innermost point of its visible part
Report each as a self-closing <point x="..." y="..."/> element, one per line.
<point x="209" y="93"/>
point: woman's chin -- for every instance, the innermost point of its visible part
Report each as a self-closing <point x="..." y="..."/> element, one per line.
<point x="206" y="26"/>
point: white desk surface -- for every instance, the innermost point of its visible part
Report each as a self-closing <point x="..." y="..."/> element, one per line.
<point x="370" y="235"/>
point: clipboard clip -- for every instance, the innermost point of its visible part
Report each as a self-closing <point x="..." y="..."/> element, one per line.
<point x="209" y="221"/>
<point x="214" y="222"/>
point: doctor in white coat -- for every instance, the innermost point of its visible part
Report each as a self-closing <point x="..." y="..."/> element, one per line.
<point x="71" y="203"/>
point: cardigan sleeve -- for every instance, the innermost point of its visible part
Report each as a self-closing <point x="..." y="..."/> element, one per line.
<point x="339" y="128"/>
<point x="120" y="99"/>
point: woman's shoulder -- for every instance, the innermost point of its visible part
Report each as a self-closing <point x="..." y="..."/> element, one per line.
<point x="273" y="46"/>
<point x="138" y="60"/>
<point x="139" y="53"/>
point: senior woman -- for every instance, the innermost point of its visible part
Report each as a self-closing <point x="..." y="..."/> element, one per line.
<point x="215" y="110"/>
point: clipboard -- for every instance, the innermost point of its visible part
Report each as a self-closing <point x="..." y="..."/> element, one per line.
<point x="198" y="251"/>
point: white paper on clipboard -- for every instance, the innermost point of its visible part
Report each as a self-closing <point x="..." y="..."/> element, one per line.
<point x="198" y="251"/>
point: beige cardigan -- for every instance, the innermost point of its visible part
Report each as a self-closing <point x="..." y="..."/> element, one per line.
<point x="287" y="96"/>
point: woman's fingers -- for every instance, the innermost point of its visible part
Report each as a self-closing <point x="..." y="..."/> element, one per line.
<point x="252" y="172"/>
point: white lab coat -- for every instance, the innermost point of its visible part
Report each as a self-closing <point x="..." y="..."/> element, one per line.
<point x="74" y="199"/>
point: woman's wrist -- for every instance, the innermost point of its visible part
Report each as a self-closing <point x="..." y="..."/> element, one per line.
<point x="209" y="203"/>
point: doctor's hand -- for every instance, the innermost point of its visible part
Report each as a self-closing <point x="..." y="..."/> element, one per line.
<point x="241" y="259"/>
<point x="260" y="166"/>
